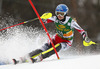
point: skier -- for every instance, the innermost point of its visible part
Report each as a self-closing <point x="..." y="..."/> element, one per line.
<point x="63" y="39"/>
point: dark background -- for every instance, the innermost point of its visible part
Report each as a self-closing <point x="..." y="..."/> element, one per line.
<point x="87" y="13"/>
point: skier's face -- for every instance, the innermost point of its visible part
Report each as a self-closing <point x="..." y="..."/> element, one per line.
<point x="60" y="17"/>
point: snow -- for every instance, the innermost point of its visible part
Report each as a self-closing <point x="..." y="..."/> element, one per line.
<point x="20" y="40"/>
<point x="81" y="62"/>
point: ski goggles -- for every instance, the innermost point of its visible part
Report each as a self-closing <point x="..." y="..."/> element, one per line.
<point x="60" y="13"/>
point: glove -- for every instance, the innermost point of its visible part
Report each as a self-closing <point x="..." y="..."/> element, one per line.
<point x="88" y="44"/>
<point x="86" y="40"/>
<point x="85" y="37"/>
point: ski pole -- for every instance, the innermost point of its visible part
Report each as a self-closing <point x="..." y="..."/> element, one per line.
<point x="97" y="43"/>
<point x="43" y="26"/>
<point x="19" y="24"/>
<point x="44" y="16"/>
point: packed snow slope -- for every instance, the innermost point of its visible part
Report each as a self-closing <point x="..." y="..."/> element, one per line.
<point x="83" y="62"/>
<point x="20" y="40"/>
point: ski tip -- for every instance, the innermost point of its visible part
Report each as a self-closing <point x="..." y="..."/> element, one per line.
<point x="15" y="61"/>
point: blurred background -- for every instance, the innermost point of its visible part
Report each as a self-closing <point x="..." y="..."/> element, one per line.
<point x="87" y="13"/>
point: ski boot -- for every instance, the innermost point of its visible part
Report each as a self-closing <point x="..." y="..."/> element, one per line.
<point x="37" y="59"/>
<point x="28" y="60"/>
<point x="15" y="61"/>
